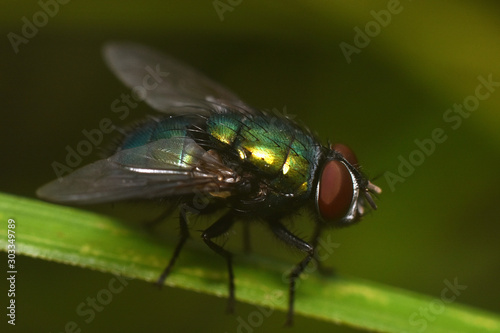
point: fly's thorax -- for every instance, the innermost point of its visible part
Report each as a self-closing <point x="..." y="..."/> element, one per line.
<point x="284" y="156"/>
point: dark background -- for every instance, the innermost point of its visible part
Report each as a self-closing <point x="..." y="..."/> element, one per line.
<point x="440" y="223"/>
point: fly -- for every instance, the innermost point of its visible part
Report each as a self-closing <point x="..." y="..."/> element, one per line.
<point x="254" y="165"/>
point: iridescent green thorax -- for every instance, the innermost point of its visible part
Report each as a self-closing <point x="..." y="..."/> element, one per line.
<point x="281" y="152"/>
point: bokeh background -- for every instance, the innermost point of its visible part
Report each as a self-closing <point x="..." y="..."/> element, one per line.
<point x="440" y="223"/>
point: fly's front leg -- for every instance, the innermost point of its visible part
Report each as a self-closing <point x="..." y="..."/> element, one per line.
<point x="289" y="238"/>
<point x="314" y="242"/>
<point x="184" y="235"/>
<point x="215" y="230"/>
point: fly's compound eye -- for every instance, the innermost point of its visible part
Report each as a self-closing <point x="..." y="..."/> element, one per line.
<point x="335" y="192"/>
<point x="347" y="153"/>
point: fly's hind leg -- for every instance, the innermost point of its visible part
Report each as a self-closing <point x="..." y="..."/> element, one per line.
<point x="150" y="224"/>
<point x="184" y="235"/>
<point x="218" y="228"/>
<point x="289" y="238"/>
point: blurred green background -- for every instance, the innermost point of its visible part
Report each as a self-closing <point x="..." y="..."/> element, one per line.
<point x="440" y="223"/>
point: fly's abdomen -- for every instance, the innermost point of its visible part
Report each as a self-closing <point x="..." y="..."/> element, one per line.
<point x="285" y="155"/>
<point x="173" y="131"/>
<point x="157" y="129"/>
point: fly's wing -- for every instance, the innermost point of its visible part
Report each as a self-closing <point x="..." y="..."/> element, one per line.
<point x="164" y="168"/>
<point x="168" y="85"/>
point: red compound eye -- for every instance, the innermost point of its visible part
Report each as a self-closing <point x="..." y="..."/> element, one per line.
<point x="335" y="191"/>
<point x="347" y="153"/>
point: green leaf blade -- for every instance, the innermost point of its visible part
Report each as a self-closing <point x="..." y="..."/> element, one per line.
<point x="75" y="237"/>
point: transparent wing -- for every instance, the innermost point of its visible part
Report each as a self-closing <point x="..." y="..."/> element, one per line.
<point x="169" y="85"/>
<point x="164" y="168"/>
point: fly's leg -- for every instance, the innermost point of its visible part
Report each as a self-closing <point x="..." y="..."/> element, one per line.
<point x="215" y="230"/>
<point x="314" y="242"/>
<point x="157" y="220"/>
<point x="289" y="238"/>
<point x="184" y="235"/>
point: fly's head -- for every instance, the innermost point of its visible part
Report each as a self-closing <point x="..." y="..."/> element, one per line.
<point x="343" y="193"/>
